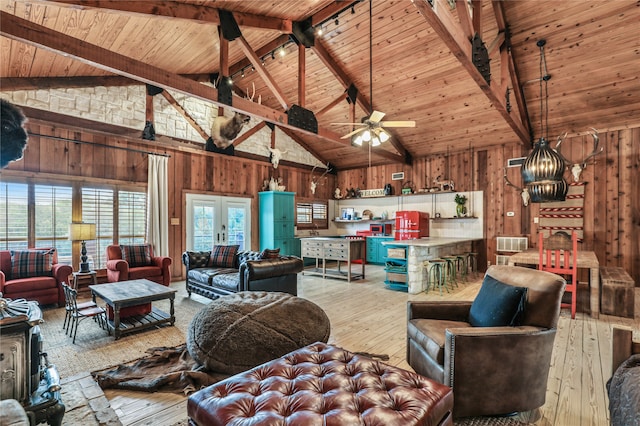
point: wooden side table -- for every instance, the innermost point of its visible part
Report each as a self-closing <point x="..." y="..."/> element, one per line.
<point x="77" y="275"/>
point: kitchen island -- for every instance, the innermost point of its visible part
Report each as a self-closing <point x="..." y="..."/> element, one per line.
<point x="417" y="251"/>
<point x="339" y="250"/>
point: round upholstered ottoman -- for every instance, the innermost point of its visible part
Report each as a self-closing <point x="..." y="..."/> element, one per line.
<point x="240" y="331"/>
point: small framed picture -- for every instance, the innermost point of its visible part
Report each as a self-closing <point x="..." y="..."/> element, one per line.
<point x="347" y="213"/>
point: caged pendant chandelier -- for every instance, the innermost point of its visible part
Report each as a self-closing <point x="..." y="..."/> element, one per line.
<point x="543" y="170"/>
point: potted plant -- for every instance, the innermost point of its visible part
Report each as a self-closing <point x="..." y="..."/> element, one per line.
<point x="461" y="209"/>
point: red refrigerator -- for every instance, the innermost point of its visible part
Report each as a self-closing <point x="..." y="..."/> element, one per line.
<point x="411" y="225"/>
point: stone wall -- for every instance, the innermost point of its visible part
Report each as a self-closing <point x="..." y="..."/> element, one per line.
<point x="125" y="106"/>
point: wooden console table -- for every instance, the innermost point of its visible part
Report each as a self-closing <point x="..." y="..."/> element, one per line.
<point x="335" y="249"/>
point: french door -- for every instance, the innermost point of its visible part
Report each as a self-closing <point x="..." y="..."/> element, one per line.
<point x="216" y="220"/>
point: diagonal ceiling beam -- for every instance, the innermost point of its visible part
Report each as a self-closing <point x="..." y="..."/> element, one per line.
<point x="33" y="34"/>
<point x="326" y="58"/>
<point x="203" y="134"/>
<point x="173" y="9"/>
<point x="444" y="24"/>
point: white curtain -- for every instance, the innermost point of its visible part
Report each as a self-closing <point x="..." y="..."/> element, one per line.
<point x="158" y="205"/>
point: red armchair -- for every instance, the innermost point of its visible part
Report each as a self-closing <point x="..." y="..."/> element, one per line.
<point x="46" y="289"/>
<point x="118" y="269"/>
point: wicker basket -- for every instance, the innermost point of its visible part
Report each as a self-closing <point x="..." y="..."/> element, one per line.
<point x="395" y="253"/>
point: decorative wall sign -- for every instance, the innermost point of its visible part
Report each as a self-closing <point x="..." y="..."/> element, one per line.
<point x="364" y="193"/>
<point x="565" y="215"/>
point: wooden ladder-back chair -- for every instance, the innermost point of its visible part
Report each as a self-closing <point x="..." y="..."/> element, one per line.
<point x="559" y="255"/>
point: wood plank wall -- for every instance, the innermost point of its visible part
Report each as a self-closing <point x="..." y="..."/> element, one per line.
<point x="612" y="203"/>
<point x="112" y="159"/>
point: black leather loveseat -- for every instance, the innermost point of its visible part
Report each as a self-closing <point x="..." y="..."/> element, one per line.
<point x="248" y="271"/>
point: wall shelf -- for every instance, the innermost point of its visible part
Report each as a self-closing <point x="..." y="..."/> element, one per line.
<point x="454" y="218"/>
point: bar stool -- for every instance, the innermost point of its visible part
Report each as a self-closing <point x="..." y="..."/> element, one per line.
<point x="461" y="265"/>
<point x="472" y="262"/>
<point x="435" y="273"/>
<point x="450" y="270"/>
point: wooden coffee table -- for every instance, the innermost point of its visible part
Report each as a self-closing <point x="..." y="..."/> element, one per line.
<point x="132" y="293"/>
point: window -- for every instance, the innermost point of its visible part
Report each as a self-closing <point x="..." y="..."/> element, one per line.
<point x="38" y="215"/>
<point x="312" y="214"/>
<point x="98" y="208"/>
<point x="14" y="216"/>
<point x="132" y="217"/>
<point x="52" y="219"/>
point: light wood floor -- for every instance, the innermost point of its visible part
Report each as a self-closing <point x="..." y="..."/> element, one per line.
<point x="365" y="316"/>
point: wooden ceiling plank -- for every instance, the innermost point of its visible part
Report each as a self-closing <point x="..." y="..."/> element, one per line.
<point x="444" y="25"/>
<point x="266" y="77"/>
<point x="172" y="9"/>
<point x="172" y="101"/>
<point x="262" y="51"/>
<point x="36" y="35"/>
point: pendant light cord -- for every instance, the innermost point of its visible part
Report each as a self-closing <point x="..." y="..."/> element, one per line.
<point x="544" y="97"/>
<point x="370" y="57"/>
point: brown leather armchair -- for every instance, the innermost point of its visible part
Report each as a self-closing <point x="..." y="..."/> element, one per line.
<point x="118" y="269"/>
<point x="492" y="370"/>
<point x="45" y="290"/>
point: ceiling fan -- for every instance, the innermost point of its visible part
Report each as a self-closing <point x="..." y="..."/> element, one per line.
<point x="371" y="129"/>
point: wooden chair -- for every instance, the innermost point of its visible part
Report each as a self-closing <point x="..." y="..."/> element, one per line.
<point x="77" y="314"/>
<point x="559" y="255"/>
<point x="69" y="307"/>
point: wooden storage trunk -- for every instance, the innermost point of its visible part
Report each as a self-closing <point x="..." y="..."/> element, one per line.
<point x="618" y="292"/>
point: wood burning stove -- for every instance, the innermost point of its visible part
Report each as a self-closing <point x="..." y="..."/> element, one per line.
<point x="25" y="372"/>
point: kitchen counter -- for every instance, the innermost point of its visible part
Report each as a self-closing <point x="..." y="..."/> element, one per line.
<point x="425" y="249"/>
<point x="432" y="241"/>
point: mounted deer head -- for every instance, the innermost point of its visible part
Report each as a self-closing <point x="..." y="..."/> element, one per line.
<point x="315" y="181"/>
<point x="225" y="129"/>
<point x="578" y="166"/>
<point x="524" y="192"/>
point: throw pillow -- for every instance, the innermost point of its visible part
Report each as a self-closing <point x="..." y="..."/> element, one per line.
<point x="224" y="256"/>
<point x="137" y="255"/>
<point x="498" y="304"/>
<point x="270" y="253"/>
<point x="31" y="263"/>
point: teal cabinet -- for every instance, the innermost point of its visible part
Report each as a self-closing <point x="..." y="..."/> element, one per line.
<point x="277" y="218"/>
<point x="376" y="252"/>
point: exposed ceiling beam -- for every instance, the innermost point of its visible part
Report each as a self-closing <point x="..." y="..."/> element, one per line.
<point x="444" y="24"/>
<point x="518" y="93"/>
<point x="246" y="135"/>
<point x="185" y="114"/>
<point x="172" y="9"/>
<point x="266" y="77"/>
<point x="33" y="34"/>
<point x="326" y="58"/>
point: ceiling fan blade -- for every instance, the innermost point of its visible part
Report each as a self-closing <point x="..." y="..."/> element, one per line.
<point x="376" y="116"/>
<point x="348" y="135"/>
<point x="348" y="124"/>
<point x="408" y="123"/>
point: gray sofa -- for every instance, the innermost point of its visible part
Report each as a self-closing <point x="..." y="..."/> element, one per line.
<point x="250" y="273"/>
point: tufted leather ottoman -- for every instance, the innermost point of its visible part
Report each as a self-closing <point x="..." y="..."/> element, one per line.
<point x="323" y="385"/>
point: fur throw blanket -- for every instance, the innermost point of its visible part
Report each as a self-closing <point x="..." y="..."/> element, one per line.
<point x="165" y="369"/>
